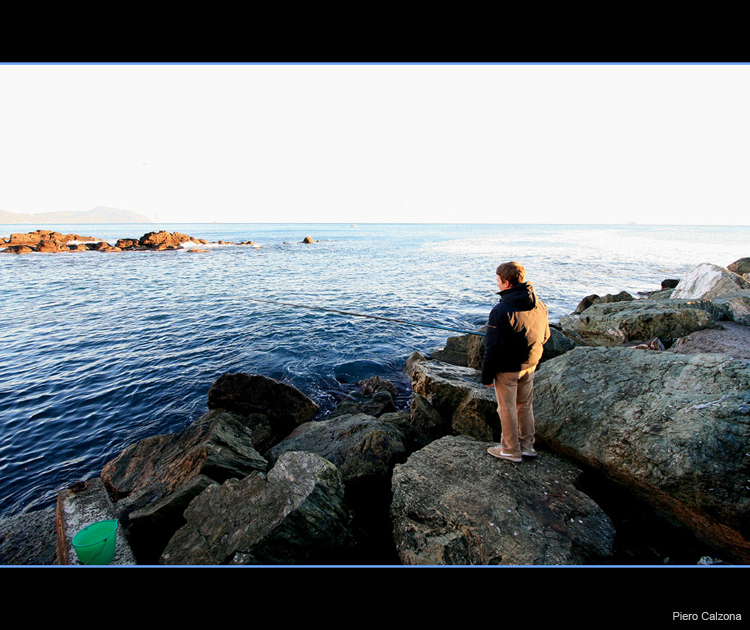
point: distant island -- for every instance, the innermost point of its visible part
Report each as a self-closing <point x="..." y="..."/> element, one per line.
<point x="100" y="214"/>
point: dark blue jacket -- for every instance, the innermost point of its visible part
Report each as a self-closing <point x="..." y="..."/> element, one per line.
<point x="517" y="329"/>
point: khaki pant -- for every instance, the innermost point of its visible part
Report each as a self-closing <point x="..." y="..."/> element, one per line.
<point x="514" y="392"/>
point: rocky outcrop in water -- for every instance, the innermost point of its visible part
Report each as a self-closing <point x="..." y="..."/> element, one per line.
<point x="46" y="241"/>
<point x="158" y="241"/>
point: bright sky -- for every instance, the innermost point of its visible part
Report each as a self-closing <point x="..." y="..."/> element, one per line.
<point x="380" y="143"/>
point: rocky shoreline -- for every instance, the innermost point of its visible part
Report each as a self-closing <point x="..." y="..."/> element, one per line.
<point x="643" y="420"/>
<point x="50" y="242"/>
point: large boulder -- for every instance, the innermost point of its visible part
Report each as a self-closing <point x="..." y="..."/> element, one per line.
<point x="708" y="281"/>
<point x="424" y="424"/>
<point x="362" y="447"/>
<point x="284" y="406"/>
<point x="734" y="307"/>
<point x="293" y="515"/>
<point x="672" y="428"/>
<point x="455" y="351"/>
<point x="43" y="241"/>
<point x="458" y="396"/>
<point x="616" y="323"/>
<point x="151" y="522"/>
<point x="218" y="445"/>
<point x="453" y="504"/>
<point x="741" y="266"/>
<point x="163" y="240"/>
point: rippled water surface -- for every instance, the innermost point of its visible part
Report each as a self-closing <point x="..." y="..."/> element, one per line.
<point x="100" y="350"/>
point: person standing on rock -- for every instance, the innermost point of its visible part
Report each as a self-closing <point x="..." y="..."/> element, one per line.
<point x="517" y="329"/>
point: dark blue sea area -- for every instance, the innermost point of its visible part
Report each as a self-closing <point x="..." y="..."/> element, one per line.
<point x="100" y="350"/>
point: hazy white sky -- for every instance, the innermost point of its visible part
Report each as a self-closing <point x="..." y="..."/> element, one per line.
<point x="380" y="143"/>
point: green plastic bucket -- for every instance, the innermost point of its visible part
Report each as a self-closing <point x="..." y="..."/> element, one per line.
<point x="95" y="544"/>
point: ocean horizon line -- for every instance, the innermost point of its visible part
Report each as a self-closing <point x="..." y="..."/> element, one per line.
<point x="358" y="223"/>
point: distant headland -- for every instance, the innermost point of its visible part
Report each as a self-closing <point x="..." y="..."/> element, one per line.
<point x="100" y="214"/>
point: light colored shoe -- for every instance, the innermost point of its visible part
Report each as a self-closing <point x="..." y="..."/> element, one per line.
<point x="530" y="453"/>
<point x="497" y="451"/>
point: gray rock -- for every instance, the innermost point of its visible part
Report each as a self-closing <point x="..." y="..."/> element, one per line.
<point x="361" y="447"/>
<point x="454" y="352"/>
<point x="415" y="357"/>
<point x="424" y="424"/>
<point x="585" y="303"/>
<point x="364" y="449"/>
<point x="741" y="266"/>
<point x="374" y="384"/>
<point x="218" y="445"/>
<point x="613" y="324"/>
<point x="475" y="350"/>
<point x="375" y="404"/>
<point x="29" y="539"/>
<point x="556" y="345"/>
<point x="152" y="525"/>
<point x="734" y="307"/>
<point x="732" y="339"/>
<point x="708" y="281"/>
<point x="294" y="515"/>
<point x="664" y="294"/>
<point x="246" y="394"/>
<point x="609" y="298"/>
<point x="453" y="504"/>
<point x="674" y="429"/>
<point x="459" y="397"/>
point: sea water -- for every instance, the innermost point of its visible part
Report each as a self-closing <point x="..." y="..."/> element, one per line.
<point x="98" y="351"/>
